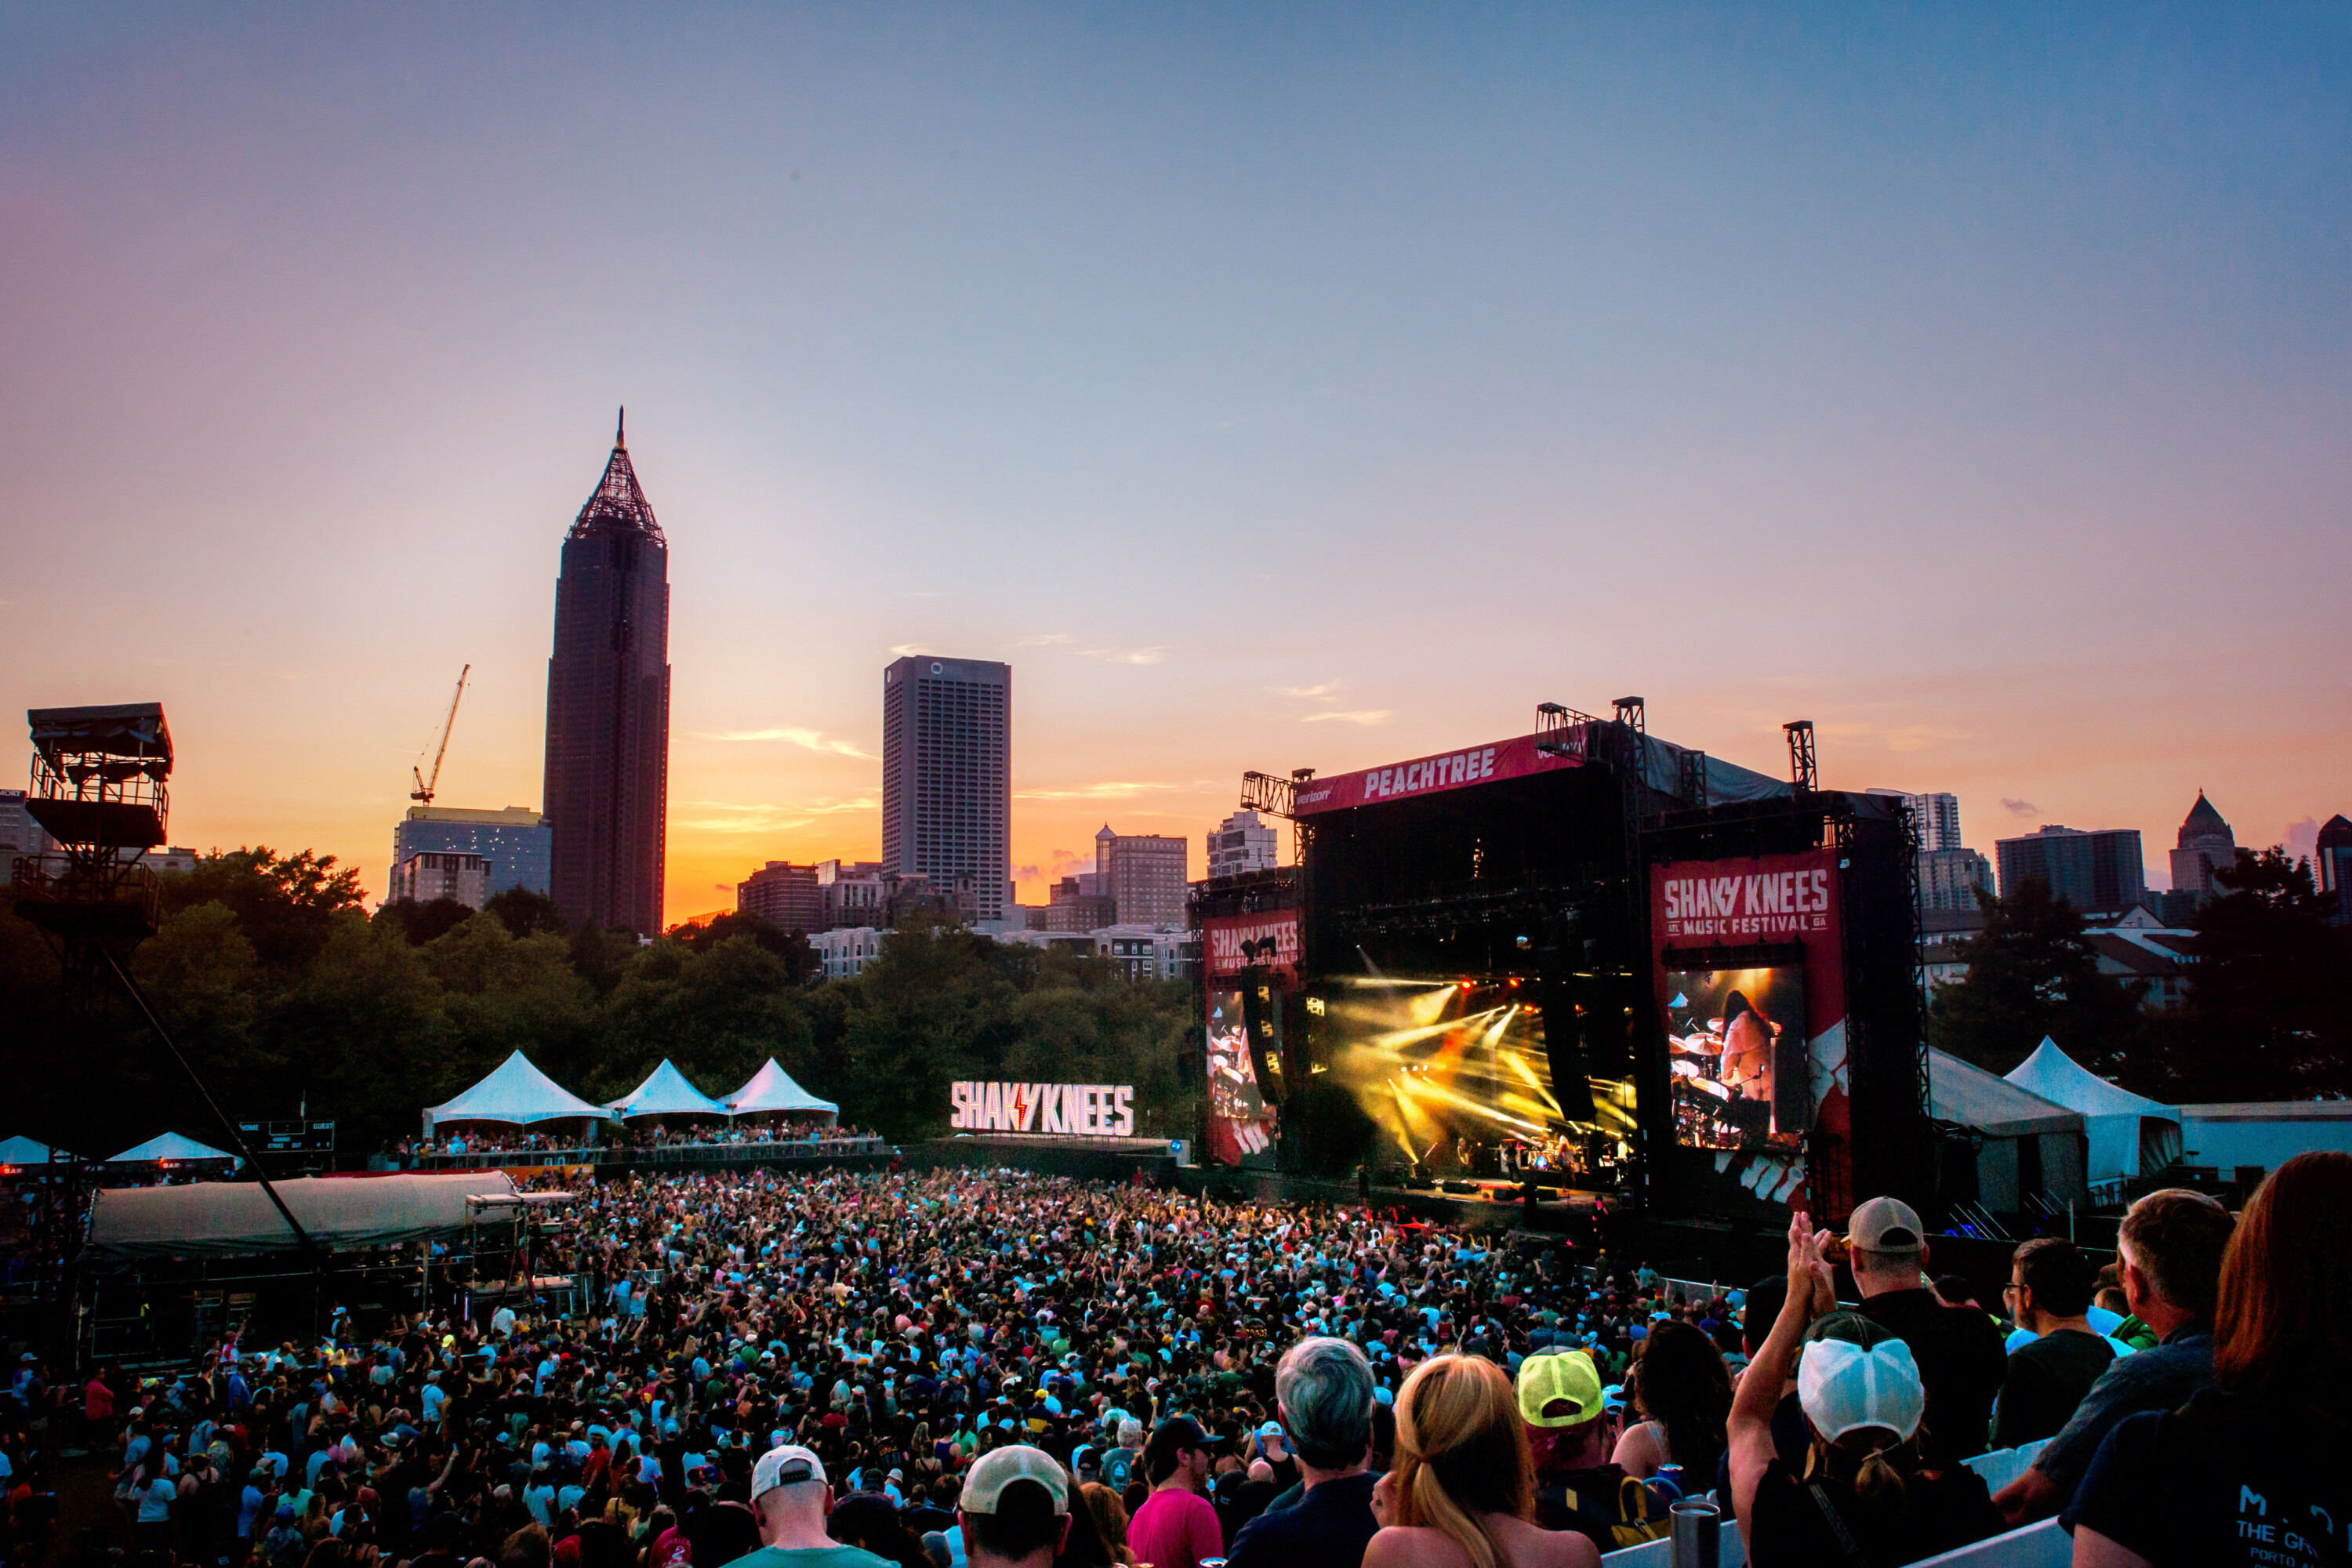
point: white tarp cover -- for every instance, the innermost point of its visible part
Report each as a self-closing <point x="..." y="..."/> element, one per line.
<point x="516" y="1092"/>
<point x="233" y="1219"/>
<point x="2130" y="1134"/>
<point x="169" y="1146"/>
<point x="773" y="1089"/>
<point x="1963" y="1092"/>
<point x="665" y="1092"/>
<point x="23" y="1151"/>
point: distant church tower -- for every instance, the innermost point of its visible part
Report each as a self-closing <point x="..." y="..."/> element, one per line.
<point x="607" y="793"/>
<point x="2205" y="845"/>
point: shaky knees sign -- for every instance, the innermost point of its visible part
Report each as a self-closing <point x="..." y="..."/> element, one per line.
<point x="1231" y="943"/>
<point x="1083" y="1110"/>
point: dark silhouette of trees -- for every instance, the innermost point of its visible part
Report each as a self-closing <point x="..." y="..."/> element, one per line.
<point x="2264" y="1017"/>
<point x="2033" y="973"/>
<point x="282" y="991"/>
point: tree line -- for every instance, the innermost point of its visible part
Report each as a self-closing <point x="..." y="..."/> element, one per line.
<point x="290" y="997"/>
<point x="2264" y="1016"/>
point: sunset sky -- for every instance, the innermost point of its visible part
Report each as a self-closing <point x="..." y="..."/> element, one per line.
<point x="1273" y="387"/>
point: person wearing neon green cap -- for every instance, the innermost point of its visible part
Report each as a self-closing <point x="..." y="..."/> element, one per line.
<point x="1576" y="1485"/>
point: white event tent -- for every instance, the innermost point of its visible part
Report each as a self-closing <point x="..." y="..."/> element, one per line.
<point x="773" y="1089"/>
<point x="517" y="1093"/>
<point x="2028" y="1146"/>
<point x="169" y="1146"/>
<point x="23" y="1151"/>
<point x="665" y="1092"/>
<point x="2131" y="1135"/>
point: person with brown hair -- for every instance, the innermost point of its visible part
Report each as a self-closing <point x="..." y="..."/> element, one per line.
<point x="2049" y="1296"/>
<point x="1682" y="1391"/>
<point x="2170" y="1249"/>
<point x="1110" y="1522"/>
<point x="2256" y="1470"/>
<point x="1463" y="1492"/>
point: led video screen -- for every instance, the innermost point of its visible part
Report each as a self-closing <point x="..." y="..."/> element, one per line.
<point x="1735" y="1042"/>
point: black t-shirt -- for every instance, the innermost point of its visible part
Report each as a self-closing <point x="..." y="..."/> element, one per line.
<point x="1328" y="1528"/>
<point x="1961" y="1359"/>
<point x="1604" y="1505"/>
<point x="2045" y="1382"/>
<point x="1939" y="1511"/>
<point x="2227" y="1480"/>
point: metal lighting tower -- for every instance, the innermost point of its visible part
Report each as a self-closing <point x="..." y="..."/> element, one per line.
<point x="100" y="789"/>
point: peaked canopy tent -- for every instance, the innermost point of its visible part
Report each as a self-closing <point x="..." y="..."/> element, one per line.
<point x="2029" y="1146"/>
<point x="771" y="1089"/>
<point x="169" y="1146"/>
<point x="517" y="1093"/>
<point x="23" y="1151"/>
<point x="665" y="1092"/>
<point x="237" y="1219"/>
<point x="2130" y="1134"/>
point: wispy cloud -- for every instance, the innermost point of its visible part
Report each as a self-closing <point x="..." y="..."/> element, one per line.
<point x="808" y="739"/>
<point x="1112" y="789"/>
<point x="908" y="649"/>
<point x="1050" y="640"/>
<point x="1352" y="716"/>
<point x="2020" y="807"/>
<point x="1329" y="689"/>
<point x="739" y="816"/>
<point x="1129" y="656"/>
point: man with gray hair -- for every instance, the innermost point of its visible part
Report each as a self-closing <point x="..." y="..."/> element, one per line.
<point x="1323" y="1388"/>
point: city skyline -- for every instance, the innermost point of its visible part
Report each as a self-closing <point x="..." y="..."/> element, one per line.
<point x="1315" y="390"/>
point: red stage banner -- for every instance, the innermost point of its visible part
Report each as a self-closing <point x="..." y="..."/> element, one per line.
<point x="1511" y="759"/>
<point x="1750" y="971"/>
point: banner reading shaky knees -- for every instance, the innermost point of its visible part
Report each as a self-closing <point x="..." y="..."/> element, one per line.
<point x="1232" y="943"/>
<point x="1776" y="901"/>
<point x="1514" y="758"/>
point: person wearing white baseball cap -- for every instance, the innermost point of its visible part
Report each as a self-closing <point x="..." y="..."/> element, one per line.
<point x="791" y="1497"/>
<point x="1014" y="1509"/>
<point x="1868" y="1494"/>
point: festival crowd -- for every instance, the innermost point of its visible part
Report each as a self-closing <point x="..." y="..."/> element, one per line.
<point x="968" y="1370"/>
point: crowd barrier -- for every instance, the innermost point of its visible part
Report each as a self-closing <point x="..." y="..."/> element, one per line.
<point x="651" y="1154"/>
<point x="2042" y="1545"/>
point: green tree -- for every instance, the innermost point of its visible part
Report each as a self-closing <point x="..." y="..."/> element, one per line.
<point x="2033" y="972"/>
<point x="2264" y="1017"/>
<point x="527" y="913"/>
<point x="284" y="904"/>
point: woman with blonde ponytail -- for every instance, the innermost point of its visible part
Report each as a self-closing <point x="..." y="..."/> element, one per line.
<point x="1463" y="1492"/>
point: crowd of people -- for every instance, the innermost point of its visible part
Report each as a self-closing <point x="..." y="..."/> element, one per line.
<point x="972" y="1370"/>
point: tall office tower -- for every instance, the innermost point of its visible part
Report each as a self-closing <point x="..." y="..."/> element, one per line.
<point x="1938" y="817"/>
<point x="784" y="895"/>
<point x="2204" y="845"/>
<point x="947" y="776"/>
<point x="1143" y="873"/>
<point x="1949" y="878"/>
<point x="1242" y="843"/>
<point x="2098" y="872"/>
<point x="2335" y="865"/>
<point x="512" y="845"/>
<point x="608" y="709"/>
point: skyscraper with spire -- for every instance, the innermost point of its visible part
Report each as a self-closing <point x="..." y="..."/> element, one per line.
<point x="607" y="792"/>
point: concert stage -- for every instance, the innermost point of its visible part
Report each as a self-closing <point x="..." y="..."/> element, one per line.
<point x="1625" y="963"/>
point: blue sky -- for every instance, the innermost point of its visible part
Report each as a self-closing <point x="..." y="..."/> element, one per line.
<point x="1320" y="387"/>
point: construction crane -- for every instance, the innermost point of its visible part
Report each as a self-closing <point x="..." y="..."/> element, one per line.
<point x="422" y="792"/>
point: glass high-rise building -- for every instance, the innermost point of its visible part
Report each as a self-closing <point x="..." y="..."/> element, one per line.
<point x="608" y="710"/>
<point x="513" y="844"/>
<point x="947" y="778"/>
<point x="2098" y="872"/>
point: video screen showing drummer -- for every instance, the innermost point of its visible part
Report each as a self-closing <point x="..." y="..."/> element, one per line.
<point x="1736" y="1039"/>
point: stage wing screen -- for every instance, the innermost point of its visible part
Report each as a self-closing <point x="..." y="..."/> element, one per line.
<point x="1736" y="1043"/>
<point x="1240" y="1121"/>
